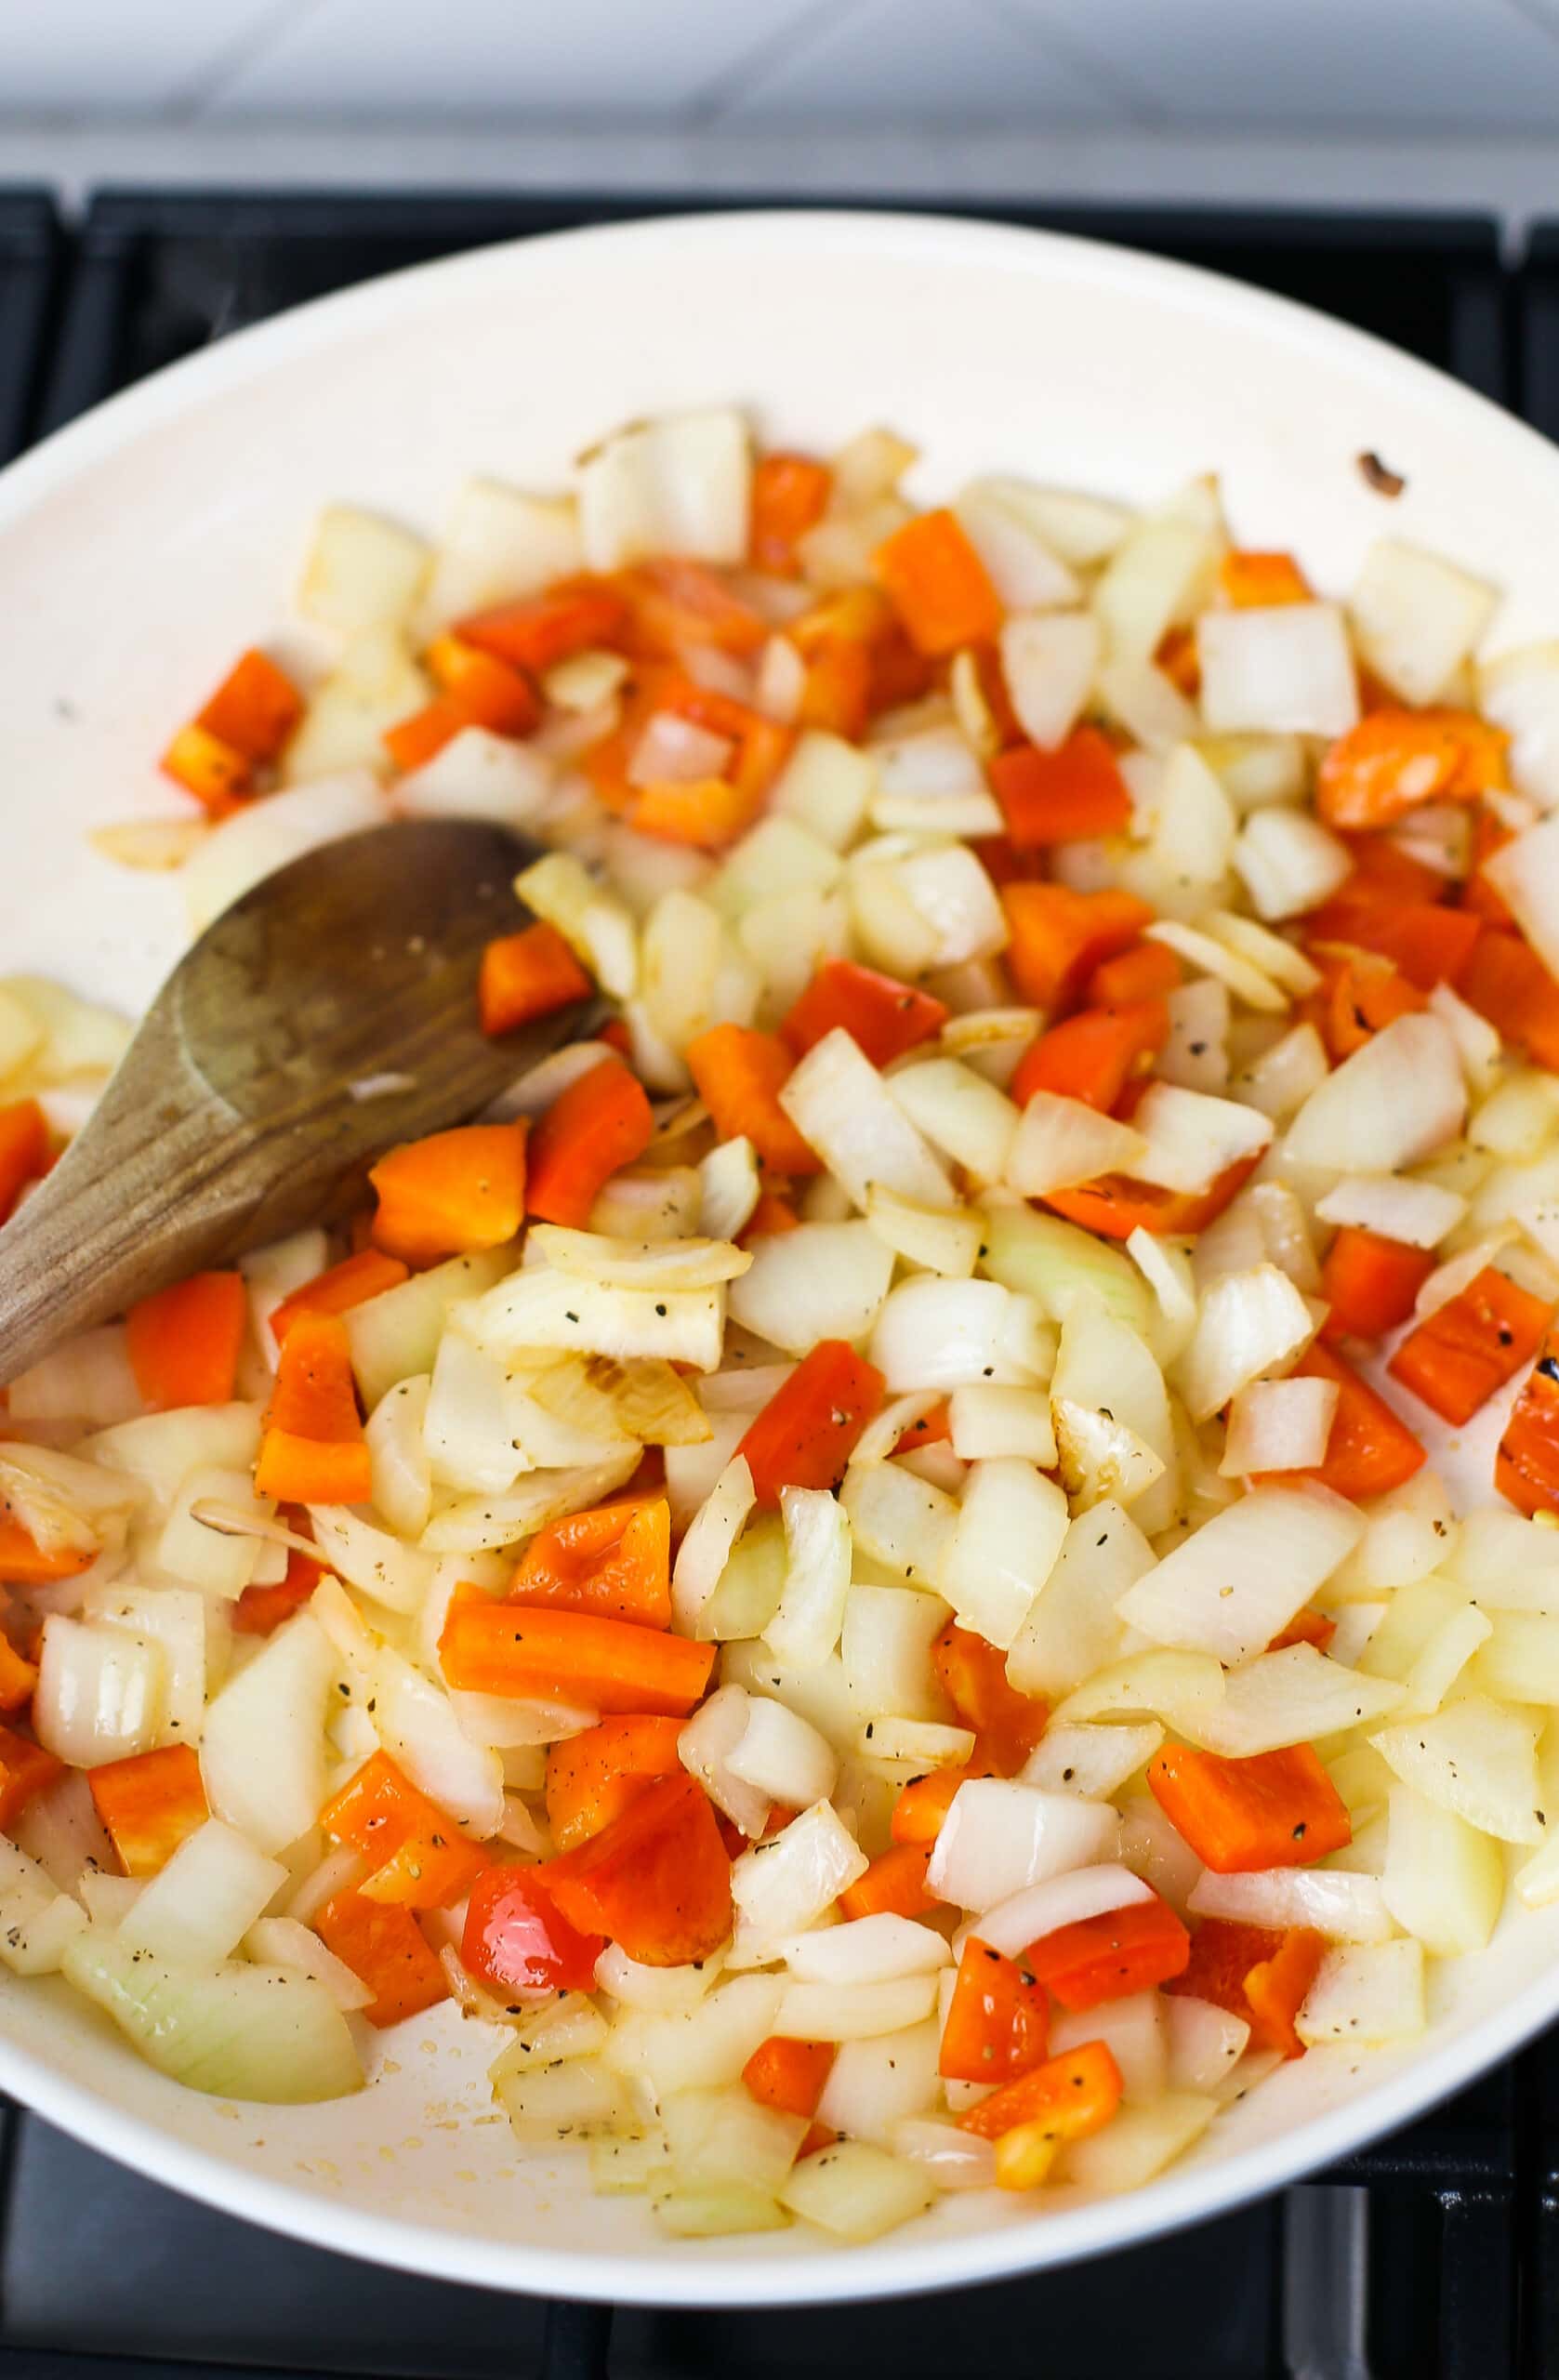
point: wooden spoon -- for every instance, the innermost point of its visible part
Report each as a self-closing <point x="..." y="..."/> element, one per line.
<point x="330" y="1014"/>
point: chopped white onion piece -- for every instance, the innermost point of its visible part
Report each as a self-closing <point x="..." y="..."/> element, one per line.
<point x="1394" y="1102"/>
<point x="705" y="1548"/>
<point x="1279" y="1425"/>
<point x="1287" y="862"/>
<point x="865" y="1949"/>
<point x="1333" y="1900"/>
<point x="1193" y="1138"/>
<point x="1041" y="1908"/>
<point x="1061" y="1142"/>
<point x="838" y="1102"/>
<point x="1283" y="669"/>
<point x="999" y="1837"/>
<point x="1239" y="1581"/>
<point x="823" y="1281"/>
<point x="1416" y="618"/>
<point x="1050" y="661"/>
<point x="1249" y="1324"/>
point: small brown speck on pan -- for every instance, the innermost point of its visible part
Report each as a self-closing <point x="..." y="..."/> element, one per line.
<point x="1378" y="475"/>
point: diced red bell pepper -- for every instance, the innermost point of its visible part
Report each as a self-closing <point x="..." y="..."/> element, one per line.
<point x="517" y="1939"/>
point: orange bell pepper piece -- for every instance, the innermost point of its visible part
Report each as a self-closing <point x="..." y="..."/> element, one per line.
<point x="1228" y="1959"/>
<point x="1395" y="760"/>
<point x="387" y="1951"/>
<point x="1526" y="1466"/>
<point x="1260" y="581"/>
<point x="1471" y="1346"/>
<point x="420" y="1858"/>
<point x="312" y="1450"/>
<point x="1094" y="1055"/>
<point x="655" y="1880"/>
<point x="1115" y="1205"/>
<point x="184" y="1343"/>
<point x="973" y="1676"/>
<point x="1068" y="795"/>
<point x="1425" y="941"/>
<point x="789" y="496"/>
<point x="806" y="1433"/>
<point x="1059" y="937"/>
<point x="254" y="709"/>
<point x="259" y="1611"/>
<point x="739" y="1074"/>
<point x="1142" y="972"/>
<point x="882" y="1015"/>
<point x="1305" y="1628"/>
<point x="1507" y="983"/>
<point x="894" y="1885"/>
<point x="452" y="1193"/>
<point x="25" y="1769"/>
<point x="598" y="1125"/>
<point x="539" y="630"/>
<point x="673" y="603"/>
<point x="1370" y="1449"/>
<point x="788" y="2075"/>
<point x="937" y="583"/>
<point x="490" y="692"/>
<point x="516" y="1939"/>
<point x="422" y="734"/>
<point x="998" y="2020"/>
<point x="1370" y="1282"/>
<point x="528" y="974"/>
<point x="149" y="1804"/>
<point x="18" y="1677"/>
<point x="24" y="1562"/>
<point x="23" y="1150"/>
<point x="549" y="1655"/>
<point x="924" y="1803"/>
<point x="615" y="1561"/>
<point x="1074" y="2095"/>
<point x="591" y="1778"/>
<point x="339" y="1287"/>
<point x="1109" y="1957"/>
<point x="1276" y="1809"/>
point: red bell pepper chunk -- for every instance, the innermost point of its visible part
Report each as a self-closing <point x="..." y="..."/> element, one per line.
<point x="656" y="1880"/>
<point x="808" y="1431"/>
<point x="518" y="1940"/>
<point x="998" y="2022"/>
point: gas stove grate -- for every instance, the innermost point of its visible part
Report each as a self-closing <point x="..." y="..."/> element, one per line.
<point x="32" y="251"/>
<point x="1436" y="2253"/>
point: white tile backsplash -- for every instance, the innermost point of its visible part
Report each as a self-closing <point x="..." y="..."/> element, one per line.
<point x="1457" y="63"/>
<point x="929" y="63"/>
<point x="1082" y="67"/>
<point x="522" y="59"/>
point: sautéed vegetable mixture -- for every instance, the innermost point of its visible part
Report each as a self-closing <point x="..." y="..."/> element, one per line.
<point x="858" y="1570"/>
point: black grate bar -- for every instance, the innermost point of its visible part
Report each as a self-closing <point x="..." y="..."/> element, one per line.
<point x="576" y="2341"/>
<point x="160" y="273"/>
<point x="31" y="248"/>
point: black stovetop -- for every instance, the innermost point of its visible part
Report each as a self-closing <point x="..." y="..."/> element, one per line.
<point x="1436" y="2253"/>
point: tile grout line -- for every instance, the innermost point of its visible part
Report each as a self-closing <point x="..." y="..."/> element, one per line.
<point x="188" y="103"/>
<point x="753" y="69"/>
<point x="1034" y="25"/>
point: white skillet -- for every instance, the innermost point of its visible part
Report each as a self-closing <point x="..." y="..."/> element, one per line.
<point x="141" y="548"/>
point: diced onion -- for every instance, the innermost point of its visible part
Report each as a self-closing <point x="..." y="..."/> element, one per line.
<point x="1284" y="671"/>
<point x="999" y="1838"/>
<point x="1396" y="1100"/>
<point x="1279" y="1425"/>
<point x="1042" y="1908"/>
<point x="1232" y="1586"/>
